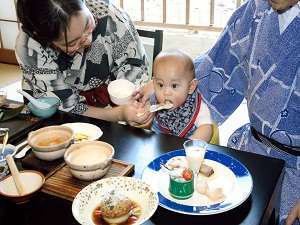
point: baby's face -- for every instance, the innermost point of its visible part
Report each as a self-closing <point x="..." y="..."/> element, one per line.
<point x="171" y="84"/>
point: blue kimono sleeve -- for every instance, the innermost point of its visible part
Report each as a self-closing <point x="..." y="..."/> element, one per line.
<point x="222" y="71"/>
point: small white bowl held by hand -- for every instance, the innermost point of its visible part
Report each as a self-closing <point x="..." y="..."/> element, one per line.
<point x="50" y="143"/>
<point x="32" y="182"/>
<point x="120" y="91"/>
<point x="89" y="160"/>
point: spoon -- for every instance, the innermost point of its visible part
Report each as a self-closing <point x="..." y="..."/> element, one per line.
<point x="5" y="138"/>
<point x="34" y="101"/>
<point x="157" y="107"/>
<point x="15" y="174"/>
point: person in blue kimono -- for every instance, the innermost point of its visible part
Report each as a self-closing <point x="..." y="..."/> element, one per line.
<point x="257" y="57"/>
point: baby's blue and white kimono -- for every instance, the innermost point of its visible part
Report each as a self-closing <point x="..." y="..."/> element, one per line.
<point x="257" y="57"/>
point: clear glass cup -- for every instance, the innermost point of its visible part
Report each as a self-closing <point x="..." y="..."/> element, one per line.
<point x="195" y="152"/>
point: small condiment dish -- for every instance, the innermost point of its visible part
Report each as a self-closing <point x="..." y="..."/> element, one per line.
<point x="32" y="182"/>
<point x="120" y="91"/>
<point x="89" y="160"/>
<point x="50" y="143"/>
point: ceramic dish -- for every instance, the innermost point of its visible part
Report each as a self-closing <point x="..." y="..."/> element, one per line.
<point x="136" y="190"/>
<point x="89" y="160"/>
<point x="230" y="174"/>
<point x="47" y="112"/>
<point x="84" y="131"/>
<point x="32" y="181"/>
<point x="9" y="149"/>
<point x="10" y="111"/>
<point x="50" y="143"/>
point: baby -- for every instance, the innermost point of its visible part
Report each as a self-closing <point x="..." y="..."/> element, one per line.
<point x="174" y="82"/>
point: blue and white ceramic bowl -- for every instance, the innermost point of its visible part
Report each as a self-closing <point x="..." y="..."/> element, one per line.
<point x="9" y="149"/>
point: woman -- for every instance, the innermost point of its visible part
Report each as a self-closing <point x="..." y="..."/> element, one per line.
<point x="257" y="57"/>
<point x="72" y="50"/>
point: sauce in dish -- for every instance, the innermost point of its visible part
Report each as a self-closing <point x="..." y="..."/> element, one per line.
<point x="52" y="141"/>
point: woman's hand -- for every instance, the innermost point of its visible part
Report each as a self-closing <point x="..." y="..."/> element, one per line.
<point x="143" y="94"/>
<point x="294" y="214"/>
<point x="136" y="114"/>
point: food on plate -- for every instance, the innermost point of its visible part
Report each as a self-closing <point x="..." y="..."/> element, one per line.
<point x="206" y="170"/>
<point x="80" y="137"/>
<point x="177" y="162"/>
<point x="202" y="186"/>
<point x="116" y="208"/>
<point x="215" y="194"/>
<point x="187" y="174"/>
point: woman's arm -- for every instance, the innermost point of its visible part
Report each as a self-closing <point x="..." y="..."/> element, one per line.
<point x="126" y="113"/>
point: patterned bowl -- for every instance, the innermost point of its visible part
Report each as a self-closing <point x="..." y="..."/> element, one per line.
<point x="89" y="198"/>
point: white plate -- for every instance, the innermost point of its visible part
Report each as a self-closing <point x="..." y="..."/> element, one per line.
<point x="136" y="190"/>
<point x="92" y="131"/>
<point x="230" y="174"/>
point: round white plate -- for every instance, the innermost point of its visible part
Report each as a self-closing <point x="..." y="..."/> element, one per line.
<point x="92" y="131"/>
<point x="230" y="174"/>
<point x="136" y="190"/>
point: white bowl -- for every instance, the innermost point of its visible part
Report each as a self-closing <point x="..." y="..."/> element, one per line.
<point x="50" y="143"/>
<point x="31" y="180"/>
<point x="120" y="91"/>
<point x="49" y="156"/>
<point x="89" y="160"/>
<point x="87" y="175"/>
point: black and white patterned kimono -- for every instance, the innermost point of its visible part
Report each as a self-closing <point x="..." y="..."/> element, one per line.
<point x="115" y="52"/>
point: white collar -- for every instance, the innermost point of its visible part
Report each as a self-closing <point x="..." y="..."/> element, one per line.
<point x="287" y="17"/>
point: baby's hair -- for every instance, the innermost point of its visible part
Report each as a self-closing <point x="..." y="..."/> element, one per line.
<point x="176" y="54"/>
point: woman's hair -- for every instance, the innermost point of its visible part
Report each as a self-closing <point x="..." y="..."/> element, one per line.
<point x="45" y="20"/>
